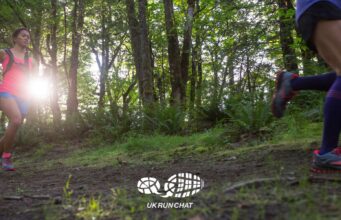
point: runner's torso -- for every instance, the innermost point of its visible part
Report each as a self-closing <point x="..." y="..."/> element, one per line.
<point x="16" y="80"/>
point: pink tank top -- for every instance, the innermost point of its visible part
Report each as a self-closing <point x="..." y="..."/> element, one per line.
<point x="16" y="80"/>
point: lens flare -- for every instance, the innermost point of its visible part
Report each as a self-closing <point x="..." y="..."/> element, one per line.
<point x="39" y="88"/>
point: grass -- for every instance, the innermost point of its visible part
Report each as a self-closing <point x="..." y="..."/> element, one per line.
<point x="294" y="128"/>
<point x="42" y="150"/>
<point x="162" y="148"/>
<point x="140" y="148"/>
<point x="301" y="201"/>
<point x="137" y="149"/>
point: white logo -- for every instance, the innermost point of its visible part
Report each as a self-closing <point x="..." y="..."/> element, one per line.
<point x="179" y="185"/>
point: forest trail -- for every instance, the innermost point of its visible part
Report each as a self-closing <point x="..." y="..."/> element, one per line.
<point x="255" y="185"/>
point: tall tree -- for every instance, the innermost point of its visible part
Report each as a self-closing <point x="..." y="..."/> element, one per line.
<point x="186" y="47"/>
<point x="178" y="63"/>
<point x="53" y="50"/>
<point x="138" y="28"/>
<point x="76" y="29"/>
<point x="286" y="27"/>
<point x="173" y="52"/>
<point x="198" y="86"/>
<point x="106" y="38"/>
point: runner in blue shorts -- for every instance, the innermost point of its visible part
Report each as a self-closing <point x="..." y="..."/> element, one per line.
<point x="14" y="94"/>
<point x="319" y="23"/>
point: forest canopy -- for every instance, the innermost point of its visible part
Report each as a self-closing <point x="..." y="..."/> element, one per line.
<point x="173" y="66"/>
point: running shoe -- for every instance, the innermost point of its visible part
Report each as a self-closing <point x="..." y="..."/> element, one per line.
<point x="283" y="93"/>
<point x="329" y="162"/>
<point x="6" y="162"/>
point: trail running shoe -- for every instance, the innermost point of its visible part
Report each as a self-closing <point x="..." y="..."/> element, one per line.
<point x="7" y="164"/>
<point x="327" y="163"/>
<point x="283" y="93"/>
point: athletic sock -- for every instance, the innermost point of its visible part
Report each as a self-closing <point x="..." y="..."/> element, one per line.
<point x="332" y="117"/>
<point x="319" y="82"/>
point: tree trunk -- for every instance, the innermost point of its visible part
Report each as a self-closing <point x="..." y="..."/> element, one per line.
<point x="65" y="45"/>
<point x="186" y="48"/>
<point x="173" y="53"/>
<point x="286" y="38"/>
<point x="161" y="81"/>
<point x="146" y="62"/>
<point x="36" y="31"/>
<point x="200" y="74"/>
<point x="309" y="65"/>
<point x="126" y="98"/>
<point x="193" y="79"/>
<point x="197" y="78"/>
<point x="77" y="26"/>
<point x="53" y="53"/>
<point x="231" y="75"/>
<point x="141" y="49"/>
<point x="134" y="37"/>
<point x="225" y="74"/>
<point x="178" y="65"/>
<point x="105" y="53"/>
<point x="215" y="86"/>
<point x="103" y="66"/>
<point x="33" y="114"/>
<point x="248" y="75"/>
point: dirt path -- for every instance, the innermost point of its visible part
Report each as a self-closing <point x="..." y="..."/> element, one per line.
<point x="30" y="192"/>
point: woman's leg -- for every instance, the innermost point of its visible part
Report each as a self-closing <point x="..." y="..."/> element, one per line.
<point x="11" y="110"/>
<point x="328" y="43"/>
<point x="321" y="82"/>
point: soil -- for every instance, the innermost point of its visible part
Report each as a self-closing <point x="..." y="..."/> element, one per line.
<point x="32" y="192"/>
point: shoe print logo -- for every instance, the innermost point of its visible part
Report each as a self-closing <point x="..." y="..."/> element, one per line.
<point x="179" y="185"/>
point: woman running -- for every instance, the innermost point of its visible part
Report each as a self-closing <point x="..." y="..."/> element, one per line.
<point x="319" y="23"/>
<point x="14" y="95"/>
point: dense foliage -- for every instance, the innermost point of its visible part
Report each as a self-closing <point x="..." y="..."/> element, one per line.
<point x="117" y="66"/>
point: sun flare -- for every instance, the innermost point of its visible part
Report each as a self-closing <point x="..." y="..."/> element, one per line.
<point x="39" y="88"/>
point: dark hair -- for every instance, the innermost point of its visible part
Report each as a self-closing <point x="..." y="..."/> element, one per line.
<point x="17" y="32"/>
